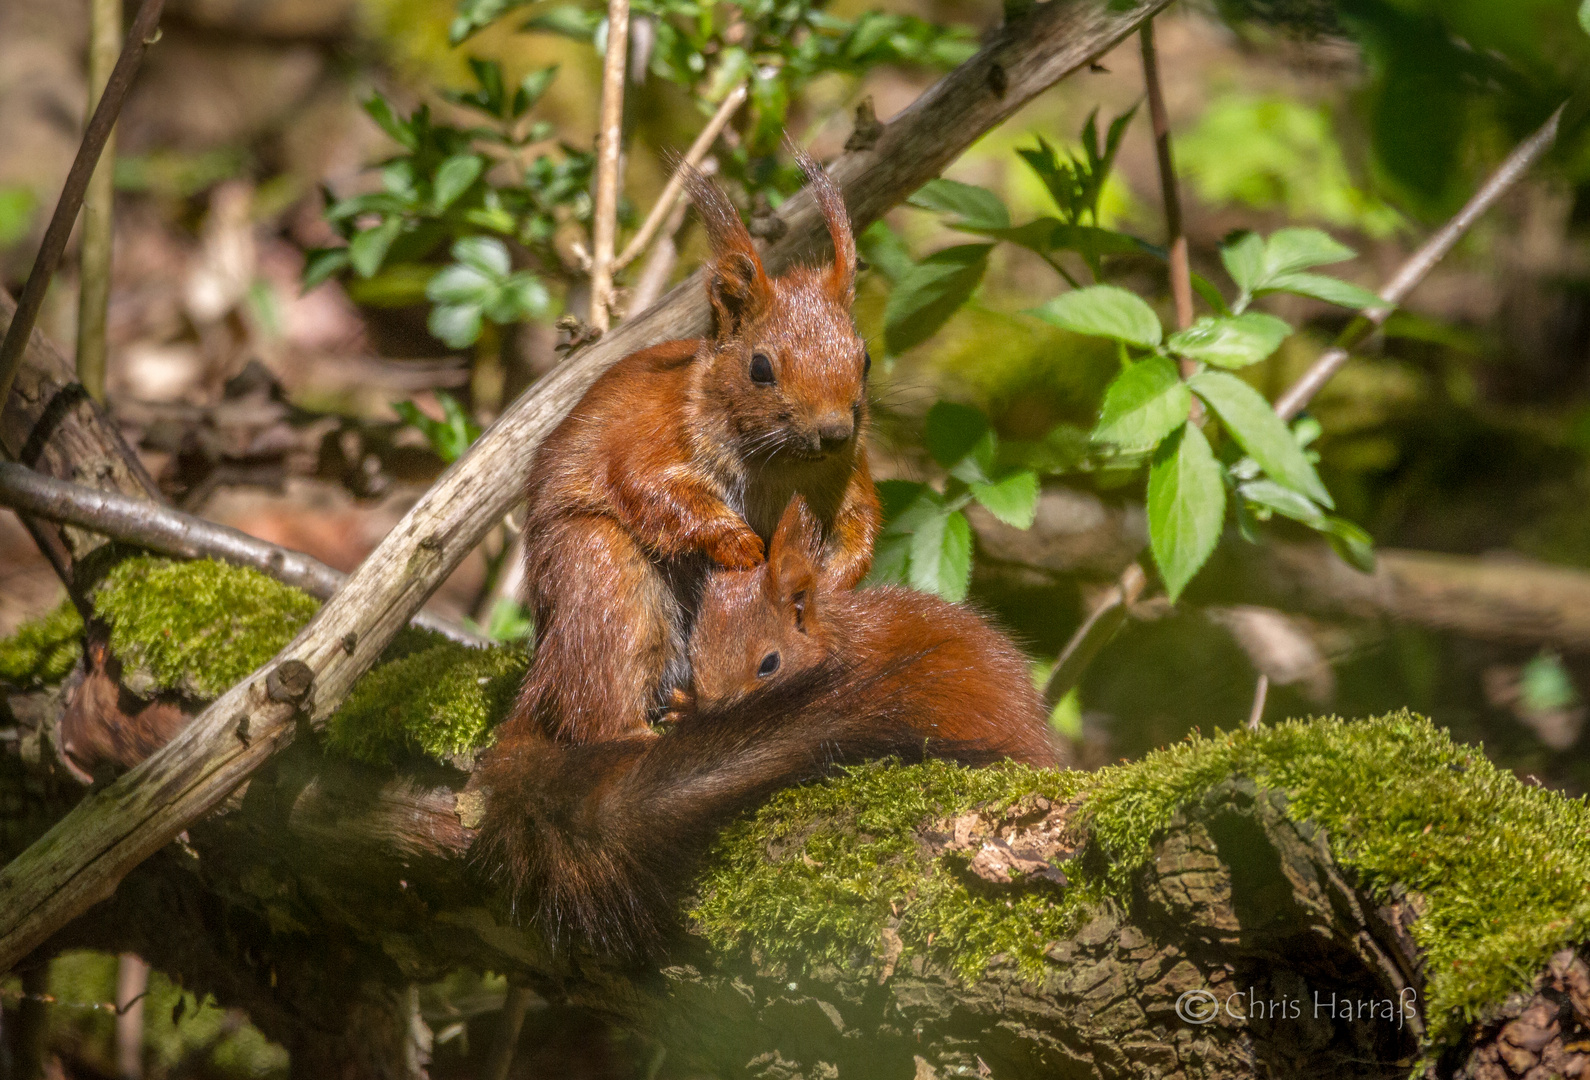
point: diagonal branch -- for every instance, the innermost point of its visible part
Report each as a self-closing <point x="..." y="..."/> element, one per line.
<point x="113" y="829"/>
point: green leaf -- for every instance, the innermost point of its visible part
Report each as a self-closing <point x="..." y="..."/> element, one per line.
<point x="1186" y="507"/>
<point x="523" y="296"/>
<point x="453" y="178"/>
<point x="1353" y="544"/>
<point x="941" y="556"/>
<point x="509" y="621"/>
<point x="975" y="206"/>
<point x="930" y="293"/>
<point x="1145" y="403"/>
<point x="1288" y="250"/>
<point x="1211" y="295"/>
<point x="457" y="430"/>
<point x="1233" y="341"/>
<point x="1244" y="261"/>
<point x="1013" y="500"/>
<point x="1284" y="501"/>
<point x="567" y="20"/>
<point x="457" y="325"/>
<point x="884" y="251"/>
<point x="380" y="111"/>
<point x="486" y="254"/>
<point x="1260" y="432"/>
<point x="1104" y="311"/>
<point x="367" y="250"/>
<point x="953" y="431"/>
<point x="531" y="87"/>
<point x="1584" y="16"/>
<point x="460" y="285"/>
<point x="322" y="263"/>
<point x="1329" y="289"/>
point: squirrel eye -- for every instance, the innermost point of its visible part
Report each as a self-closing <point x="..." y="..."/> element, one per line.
<point x="769" y="665"/>
<point x="761" y="369"/>
<point x="866" y="362"/>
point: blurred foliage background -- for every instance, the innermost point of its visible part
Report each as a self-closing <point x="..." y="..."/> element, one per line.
<point x="314" y="416"/>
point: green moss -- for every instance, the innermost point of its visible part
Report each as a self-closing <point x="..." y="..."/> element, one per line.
<point x="43" y="650"/>
<point x="441" y="701"/>
<point x="1503" y="867"/>
<point x="200" y="626"/>
<point x="850" y="860"/>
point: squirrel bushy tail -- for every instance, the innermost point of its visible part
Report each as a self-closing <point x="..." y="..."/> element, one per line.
<point x="604" y="838"/>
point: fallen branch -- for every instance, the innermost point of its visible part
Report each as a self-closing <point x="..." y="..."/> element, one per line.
<point x="1413" y="270"/>
<point x="171" y="532"/>
<point x="113" y="829"/>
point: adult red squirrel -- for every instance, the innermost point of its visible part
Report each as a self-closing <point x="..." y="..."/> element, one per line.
<point x="682" y="456"/>
<point x="962" y="682"/>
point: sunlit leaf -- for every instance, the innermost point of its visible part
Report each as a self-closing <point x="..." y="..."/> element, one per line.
<point x="1186" y="507"/>
<point x="367" y="250"/>
<point x="975" y="206"/>
<point x="453" y="178"/>
<point x="1232" y="341"/>
<point x="1013" y="500"/>
<point x="1329" y="289"/>
<point x="1259" y="431"/>
<point x="457" y="325"/>
<point x="1244" y="261"/>
<point x="485" y="253"/>
<point x="941" y="556"/>
<point x="1104" y="311"/>
<point x="1145" y="403"/>
<point x="1289" y="250"/>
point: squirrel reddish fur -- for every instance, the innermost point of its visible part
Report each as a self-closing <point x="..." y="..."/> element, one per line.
<point x="682" y="456"/>
<point x="965" y="683"/>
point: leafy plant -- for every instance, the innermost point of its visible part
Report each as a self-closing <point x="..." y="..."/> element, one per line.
<point x="927" y="540"/>
<point x="451" y="435"/>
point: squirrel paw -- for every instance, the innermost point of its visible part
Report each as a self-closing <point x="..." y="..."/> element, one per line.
<point x="736" y="549"/>
<point x="681" y="703"/>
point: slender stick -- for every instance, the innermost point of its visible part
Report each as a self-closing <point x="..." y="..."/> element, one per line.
<point x="139" y="37"/>
<point x="98" y="208"/>
<point x="132" y="983"/>
<point x="1414" y="269"/>
<point x="665" y="203"/>
<point x="1261" y="694"/>
<point x="517" y="1003"/>
<point x="171" y="532"/>
<point x="604" y="227"/>
<point x="1176" y="238"/>
<point x="1101" y="624"/>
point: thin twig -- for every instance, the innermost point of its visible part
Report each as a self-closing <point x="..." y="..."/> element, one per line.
<point x="1261" y="694"/>
<point x="139" y="38"/>
<point x="1414" y="269"/>
<point x="171" y="532"/>
<point x="514" y="1007"/>
<point x="659" y="264"/>
<point x="98" y="208"/>
<point x="1102" y="623"/>
<point x="663" y="208"/>
<point x="604" y="226"/>
<point x="132" y="983"/>
<point x="1175" y="238"/>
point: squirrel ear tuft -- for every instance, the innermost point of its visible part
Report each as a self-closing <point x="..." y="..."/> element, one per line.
<point x="737" y="284"/>
<point x="842" y="275"/>
<point x="792" y="556"/>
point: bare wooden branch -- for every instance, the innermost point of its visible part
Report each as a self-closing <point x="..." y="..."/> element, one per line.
<point x="1419" y="264"/>
<point x="98" y="218"/>
<point x="1175" y="235"/>
<point x="142" y="34"/>
<point x="171" y="532"/>
<point x="662" y="210"/>
<point x="116" y="827"/>
<point x="609" y="144"/>
<point x="1101" y="623"/>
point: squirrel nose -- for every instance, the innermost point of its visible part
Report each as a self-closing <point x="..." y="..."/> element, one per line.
<point x="835" y="429"/>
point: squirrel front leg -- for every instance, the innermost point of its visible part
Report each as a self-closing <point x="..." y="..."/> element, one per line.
<point x="855" y="527"/>
<point x="675" y="512"/>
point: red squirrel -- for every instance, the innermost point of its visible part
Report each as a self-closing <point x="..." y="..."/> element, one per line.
<point x="963" y="682"/>
<point x="794" y="679"/>
<point x="682" y="456"/>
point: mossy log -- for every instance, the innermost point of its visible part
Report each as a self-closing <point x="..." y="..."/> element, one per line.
<point x="1317" y="899"/>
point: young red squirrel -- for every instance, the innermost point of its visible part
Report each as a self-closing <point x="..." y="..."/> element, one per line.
<point x="793" y="680"/>
<point x="682" y="456"/>
<point x="965" y="683"/>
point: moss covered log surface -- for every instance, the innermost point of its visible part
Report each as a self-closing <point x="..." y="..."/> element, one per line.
<point x="1321" y="898"/>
